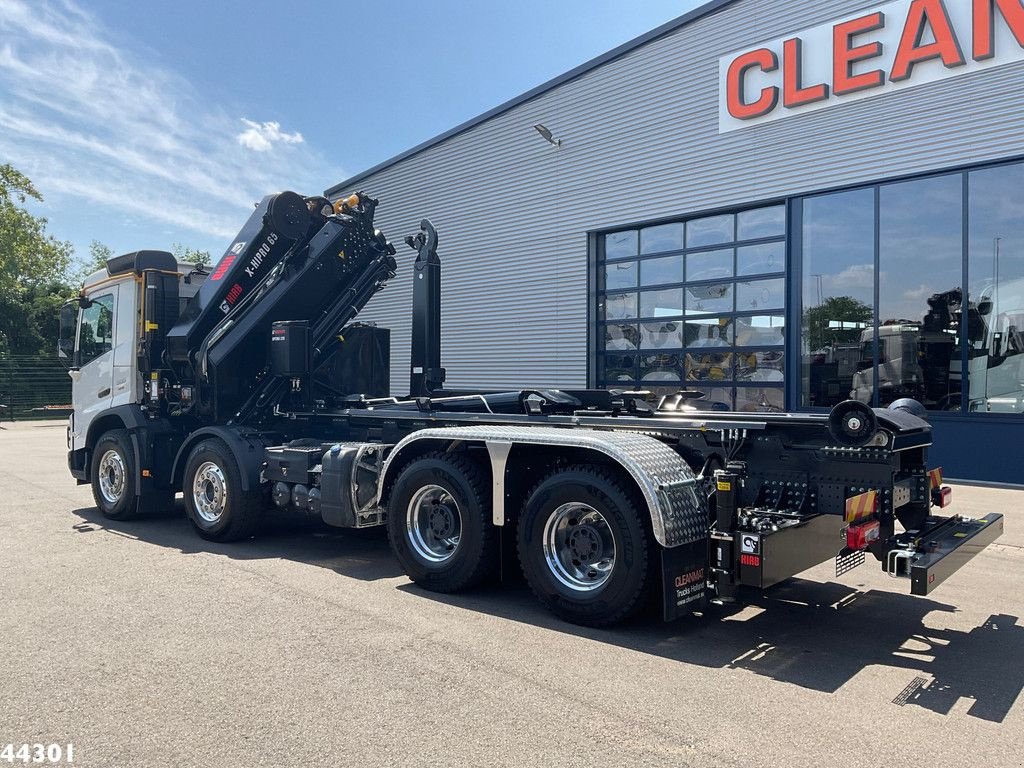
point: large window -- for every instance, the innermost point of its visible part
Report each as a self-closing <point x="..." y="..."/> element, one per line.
<point x="698" y="305"/>
<point x="995" y="325"/>
<point x="838" y="293"/>
<point x="884" y="314"/>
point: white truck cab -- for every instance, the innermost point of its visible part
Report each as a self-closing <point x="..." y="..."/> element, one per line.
<point x="100" y="332"/>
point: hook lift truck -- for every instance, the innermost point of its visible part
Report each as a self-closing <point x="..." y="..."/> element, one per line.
<point x="253" y="385"/>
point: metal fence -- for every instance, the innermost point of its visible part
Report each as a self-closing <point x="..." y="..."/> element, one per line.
<point x="33" y="387"/>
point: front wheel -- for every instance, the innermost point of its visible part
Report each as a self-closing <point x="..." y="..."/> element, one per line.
<point x="113" y="476"/>
<point x="583" y="547"/>
<point x="215" y="502"/>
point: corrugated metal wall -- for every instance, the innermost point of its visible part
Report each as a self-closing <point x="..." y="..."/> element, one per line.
<point x="641" y="142"/>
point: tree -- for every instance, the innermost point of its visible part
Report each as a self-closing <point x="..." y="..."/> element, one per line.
<point x="191" y="255"/>
<point x="836" y="309"/>
<point x="99" y="254"/>
<point x="33" y="270"/>
<point x="28" y="254"/>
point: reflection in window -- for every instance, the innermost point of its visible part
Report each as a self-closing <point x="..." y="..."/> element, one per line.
<point x="710" y="231"/>
<point x="761" y="259"/>
<point x="715" y="398"/>
<point x="760" y="295"/>
<point x="620" y="245"/>
<point x="661" y="271"/>
<point x="710" y="265"/>
<point x="995" y="319"/>
<point x="760" y="366"/>
<point x="704" y="365"/>
<point x="761" y="331"/>
<point x="667" y="237"/>
<point x="709" y="299"/>
<point x="661" y="367"/>
<point x="711" y="332"/>
<point x="667" y="303"/>
<point x="838" y="292"/>
<point x="621" y="337"/>
<point x="920" y="276"/>
<point x="620" y="306"/>
<point x="618" y="368"/>
<point x="760" y="399"/>
<point x="620" y="276"/>
<point x="667" y="334"/>
<point x="761" y="222"/>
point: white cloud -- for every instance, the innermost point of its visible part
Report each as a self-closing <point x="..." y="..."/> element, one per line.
<point x="89" y="121"/>
<point x="855" y="276"/>
<point x="920" y="293"/>
<point x="261" y="137"/>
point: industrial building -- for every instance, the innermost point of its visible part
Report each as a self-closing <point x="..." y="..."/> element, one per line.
<point x="782" y="205"/>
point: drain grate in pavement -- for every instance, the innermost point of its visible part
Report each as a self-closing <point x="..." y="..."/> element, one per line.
<point x="915" y="685"/>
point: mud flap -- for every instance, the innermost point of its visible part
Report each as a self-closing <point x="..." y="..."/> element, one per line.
<point x="684" y="575"/>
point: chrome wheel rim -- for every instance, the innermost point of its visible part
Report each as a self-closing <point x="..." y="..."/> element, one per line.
<point x="209" y="492"/>
<point x="111" y="476"/>
<point x="433" y="524"/>
<point x="579" y="547"/>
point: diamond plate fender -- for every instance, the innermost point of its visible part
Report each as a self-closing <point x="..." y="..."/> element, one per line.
<point x="678" y="511"/>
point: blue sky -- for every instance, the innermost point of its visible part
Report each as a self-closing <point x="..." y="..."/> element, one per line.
<point x="146" y="124"/>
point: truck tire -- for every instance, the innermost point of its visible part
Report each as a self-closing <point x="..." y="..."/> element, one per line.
<point x="439" y="523"/>
<point x="113" y="476"/>
<point x="215" y="503"/>
<point x="584" y="550"/>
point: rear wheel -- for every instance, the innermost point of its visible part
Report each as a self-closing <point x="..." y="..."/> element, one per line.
<point x="113" y="475"/>
<point x="583" y="547"/>
<point x="439" y="523"/>
<point x="217" y="506"/>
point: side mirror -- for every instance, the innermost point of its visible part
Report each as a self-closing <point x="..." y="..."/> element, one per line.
<point x="84" y="303"/>
<point x="68" y="326"/>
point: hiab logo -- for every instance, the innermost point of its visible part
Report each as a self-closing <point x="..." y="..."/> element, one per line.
<point x="231" y="298"/>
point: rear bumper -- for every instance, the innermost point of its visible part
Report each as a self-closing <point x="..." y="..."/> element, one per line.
<point x="942" y="547"/>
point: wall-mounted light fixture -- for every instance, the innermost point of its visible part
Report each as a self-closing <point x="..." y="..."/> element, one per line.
<point x="548" y="137"/>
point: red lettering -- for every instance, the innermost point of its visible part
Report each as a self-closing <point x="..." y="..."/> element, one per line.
<point x="794" y="94"/>
<point x="925" y="14"/>
<point x="1012" y="12"/>
<point x="764" y="60"/>
<point x="845" y="54"/>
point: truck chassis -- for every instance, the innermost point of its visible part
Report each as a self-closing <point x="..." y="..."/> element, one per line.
<point x="259" y="388"/>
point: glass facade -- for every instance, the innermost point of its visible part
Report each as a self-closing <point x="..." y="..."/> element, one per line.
<point x="883" y="312"/>
<point x="911" y="288"/>
<point x="698" y="304"/>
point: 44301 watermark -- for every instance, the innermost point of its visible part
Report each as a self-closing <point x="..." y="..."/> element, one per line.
<point x="52" y="754"/>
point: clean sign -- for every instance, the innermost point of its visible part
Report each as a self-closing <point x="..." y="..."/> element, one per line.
<point x="896" y="46"/>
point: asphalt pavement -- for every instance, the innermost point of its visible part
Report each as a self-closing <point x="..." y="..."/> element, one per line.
<point x="143" y="645"/>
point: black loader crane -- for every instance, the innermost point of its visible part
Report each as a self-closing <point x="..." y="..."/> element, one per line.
<point x="252" y="385"/>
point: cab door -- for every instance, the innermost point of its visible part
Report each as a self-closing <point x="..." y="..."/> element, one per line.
<point x="93" y="382"/>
